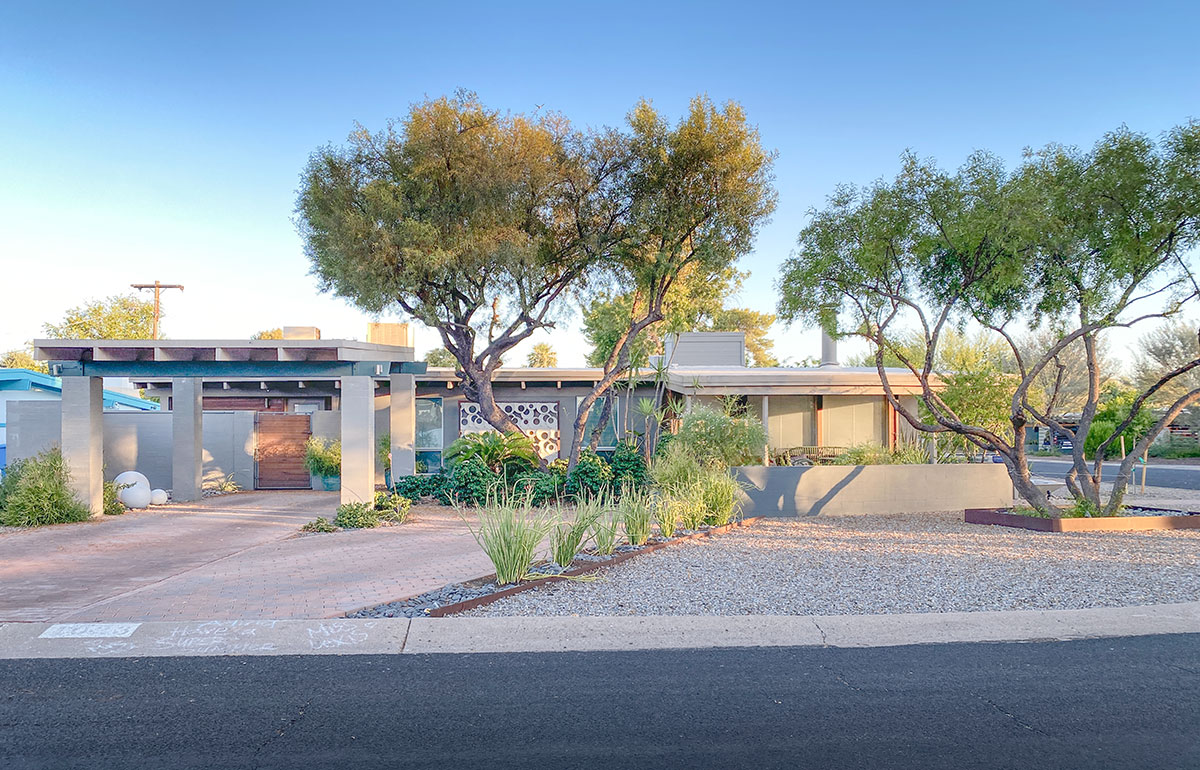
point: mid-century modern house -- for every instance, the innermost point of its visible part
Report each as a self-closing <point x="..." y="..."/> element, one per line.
<point x="247" y="406"/>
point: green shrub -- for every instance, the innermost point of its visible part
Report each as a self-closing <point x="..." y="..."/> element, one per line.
<point x="112" y="498"/>
<point x="41" y="494"/>
<point x="439" y="488"/>
<point x="675" y="469"/>
<point x="568" y="535"/>
<point x="712" y="436"/>
<point x="541" y="488"/>
<point x="412" y="487"/>
<point x="8" y="481"/>
<point x="1175" y="448"/>
<point x="323" y="458"/>
<point x="875" y="454"/>
<point x="590" y="476"/>
<point x="356" y="516"/>
<point x="509" y="531"/>
<point x="637" y="512"/>
<point x="471" y="481"/>
<point x="629" y="467"/>
<point x="500" y="453"/>
<point x="321" y="524"/>
<point x="1085" y="509"/>
<point x="392" y="507"/>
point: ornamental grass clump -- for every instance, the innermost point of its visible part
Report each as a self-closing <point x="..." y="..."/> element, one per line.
<point x="509" y="530"/>
<point x="637" y="514"/>
<point x="666" y="514"/>
<point x="38" y="491"/>
<point x="568" y="535"/>
<point x="718" y="496"/>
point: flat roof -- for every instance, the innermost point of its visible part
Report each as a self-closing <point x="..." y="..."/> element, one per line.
<point x="222" y="358"/>
<point x="780" y="380"/>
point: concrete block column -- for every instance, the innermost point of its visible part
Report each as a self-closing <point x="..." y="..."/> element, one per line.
<point x="402" y="416"/>
<point x="83" y="438"/>
<point x="187" y="439"/>
<point x="358" y="439"/>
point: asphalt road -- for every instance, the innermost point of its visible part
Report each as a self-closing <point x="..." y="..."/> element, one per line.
<point x="1166" y="476"/>
<point x="1113" y="703"/>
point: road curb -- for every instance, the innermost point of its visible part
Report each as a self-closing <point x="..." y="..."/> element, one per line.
<point x="580" y="634"/>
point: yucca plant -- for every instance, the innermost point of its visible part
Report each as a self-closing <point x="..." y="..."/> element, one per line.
<point x="509" y="530"/>
<point x="637" y="513"/>
<point x="568" y="535"/>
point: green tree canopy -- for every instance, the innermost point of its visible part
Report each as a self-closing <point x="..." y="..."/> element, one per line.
<point x="470" y="221"/>
<point x="119" y="317"/>
<point x="692" y="305"/>
<point x="22" y="359"/>
<point x="699" y="190"/>
<point x="1071" y="240"/>
<point x="542" y="356"/>
<point x="440" y="357"/>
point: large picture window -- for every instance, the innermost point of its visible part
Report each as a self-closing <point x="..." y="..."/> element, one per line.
<point x="429" y="435"/>
<point x="608" y="437"/>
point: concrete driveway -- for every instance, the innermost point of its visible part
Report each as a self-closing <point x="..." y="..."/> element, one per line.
<point x="229" y="557"/>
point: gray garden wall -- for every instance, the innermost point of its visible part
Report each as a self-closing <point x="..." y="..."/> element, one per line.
<point x="140" y="441"/>
<point x="850" y="489"/>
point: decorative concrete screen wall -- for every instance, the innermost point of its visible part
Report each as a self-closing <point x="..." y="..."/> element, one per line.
<point x="538" y="420"/>
<point x="851" y="489"/>
<point x="140" y="441"/>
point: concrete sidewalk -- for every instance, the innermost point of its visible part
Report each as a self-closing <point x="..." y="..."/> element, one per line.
<point x="560" y="634"/>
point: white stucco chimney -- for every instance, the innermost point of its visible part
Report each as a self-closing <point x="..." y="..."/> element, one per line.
<point x="829" y="356"/>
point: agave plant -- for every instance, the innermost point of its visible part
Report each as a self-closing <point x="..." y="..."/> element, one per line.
<point x="499" y="452"/>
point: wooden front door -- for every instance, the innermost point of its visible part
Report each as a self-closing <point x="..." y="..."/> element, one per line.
<point x="279" y="459"/>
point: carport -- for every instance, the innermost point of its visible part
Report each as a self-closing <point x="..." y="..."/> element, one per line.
<point x="358" y="366"/>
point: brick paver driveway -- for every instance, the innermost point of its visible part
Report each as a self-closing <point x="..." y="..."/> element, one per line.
<point x="225" y="558"/>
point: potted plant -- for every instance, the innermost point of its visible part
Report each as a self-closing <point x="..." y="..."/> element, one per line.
<point x="323" y="459"/>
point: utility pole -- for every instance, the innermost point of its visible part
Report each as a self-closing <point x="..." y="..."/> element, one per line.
<point x="158" y="287"/>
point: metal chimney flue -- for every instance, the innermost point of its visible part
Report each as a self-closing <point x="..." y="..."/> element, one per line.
<point x="829" y="354"/>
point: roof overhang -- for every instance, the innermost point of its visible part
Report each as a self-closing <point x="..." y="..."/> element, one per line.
<point x="224" y="358"/>
<point x="781" y="381"/>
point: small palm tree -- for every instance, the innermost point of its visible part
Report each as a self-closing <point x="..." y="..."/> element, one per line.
<point x="500" y="452"/>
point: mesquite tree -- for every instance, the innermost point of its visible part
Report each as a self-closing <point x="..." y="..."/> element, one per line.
<point x="473" y="222"/>
<point x="1069" y="241"/>
<point x="697" y="192"/>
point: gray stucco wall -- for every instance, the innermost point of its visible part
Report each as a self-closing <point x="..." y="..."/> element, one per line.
<point x="141" y="441"/>
<point x="850" y="489"/>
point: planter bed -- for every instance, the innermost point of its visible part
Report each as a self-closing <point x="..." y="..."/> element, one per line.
<point x="477" y="593"/>
<point x="1138" y="519"/>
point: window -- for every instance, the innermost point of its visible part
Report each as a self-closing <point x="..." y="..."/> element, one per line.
<point x="429" y="435"/>
<point x="608" y="437"/>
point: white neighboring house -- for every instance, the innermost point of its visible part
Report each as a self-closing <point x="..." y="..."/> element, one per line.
<point x="27" y="385"/>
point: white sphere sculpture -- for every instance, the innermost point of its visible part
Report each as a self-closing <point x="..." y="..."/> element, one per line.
<point x="136" y="497"/>
<point x="158" y="496"/>
<point x="132" y="477"/>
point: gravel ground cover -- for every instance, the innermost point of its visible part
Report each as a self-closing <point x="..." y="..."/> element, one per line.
<point x="877" y="564"/>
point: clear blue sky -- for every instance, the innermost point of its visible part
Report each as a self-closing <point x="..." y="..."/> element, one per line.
<point x="141" y="141"/>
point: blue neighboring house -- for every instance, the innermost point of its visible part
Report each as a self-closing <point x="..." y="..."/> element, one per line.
<point x="26" y="385"/>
